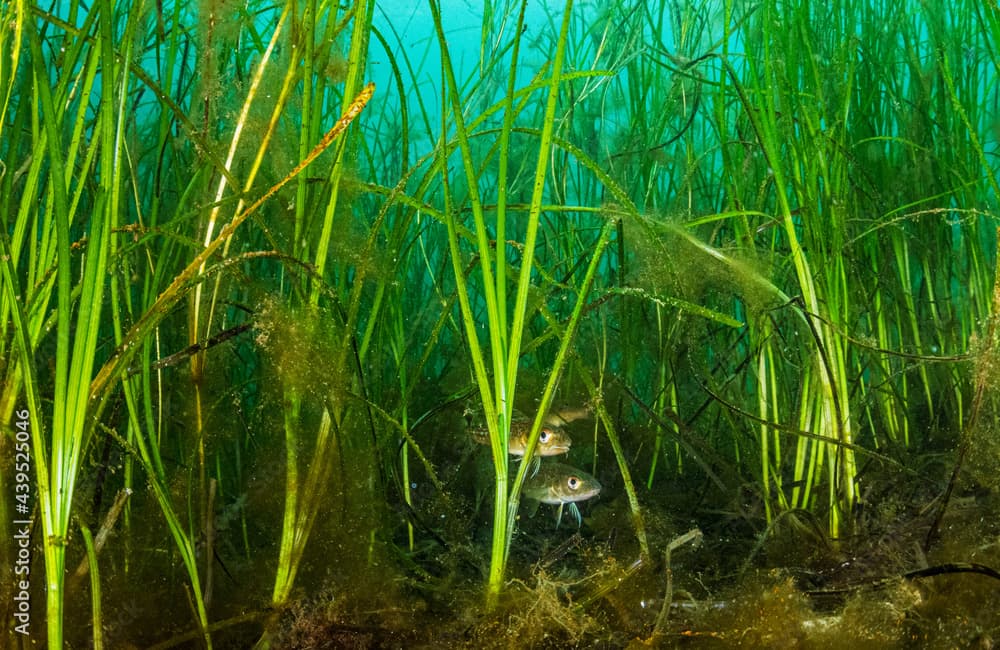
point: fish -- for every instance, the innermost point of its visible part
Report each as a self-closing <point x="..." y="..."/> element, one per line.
<point x="562" y="485"/>
<point x="562" y="416"/>
<point x="552" y="441"/>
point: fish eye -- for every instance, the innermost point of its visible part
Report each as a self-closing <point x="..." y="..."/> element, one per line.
<point x="544" y="437"/>
<point x="573" y="482"/>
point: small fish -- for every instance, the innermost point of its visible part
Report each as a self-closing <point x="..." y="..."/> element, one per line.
<point x="561" y="416"/>
<point x="559" y="484"/>
<point x="553" y="440"/>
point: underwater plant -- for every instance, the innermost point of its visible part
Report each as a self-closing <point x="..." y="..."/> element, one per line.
<point x="245" y="292"/>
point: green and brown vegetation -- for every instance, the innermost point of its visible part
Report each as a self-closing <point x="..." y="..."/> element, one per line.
<point x="247" y="297"/>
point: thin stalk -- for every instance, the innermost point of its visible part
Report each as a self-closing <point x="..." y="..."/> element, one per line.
<point x="638" y="521"/>
<point x="95" y="590"/>
<point x="355" y="76"/>
<point x="535" y="208"/>
<point x="495" y="406"/>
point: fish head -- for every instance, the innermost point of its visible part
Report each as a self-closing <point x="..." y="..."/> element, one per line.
<point x="557" y="483"/>
<point x="552" y="441"/>
<point x="575" y="486"/>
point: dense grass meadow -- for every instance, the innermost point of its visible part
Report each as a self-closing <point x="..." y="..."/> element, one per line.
<point x="265" y="268"/>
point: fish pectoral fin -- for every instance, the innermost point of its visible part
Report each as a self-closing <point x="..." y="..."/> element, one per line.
<point x="559" y="514"/>
<point x="574" y="512"/>
<point x="531" y="507"/>
<point x="535" y="463"/>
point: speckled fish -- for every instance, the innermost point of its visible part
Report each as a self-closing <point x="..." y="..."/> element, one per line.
<point x="553" y="440"/>
<point x="560" y="485"/>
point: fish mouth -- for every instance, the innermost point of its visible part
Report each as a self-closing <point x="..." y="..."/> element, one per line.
<point x="555" y="450"/>
<point x="590" y="494"/>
